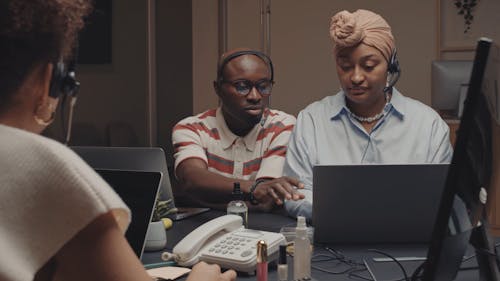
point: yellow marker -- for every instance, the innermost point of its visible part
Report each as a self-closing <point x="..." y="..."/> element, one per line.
<point x="167" y="223"/>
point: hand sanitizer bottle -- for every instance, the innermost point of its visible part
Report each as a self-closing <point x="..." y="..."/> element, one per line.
<point x="238" y="206"/>
<point x="302" y="252"/>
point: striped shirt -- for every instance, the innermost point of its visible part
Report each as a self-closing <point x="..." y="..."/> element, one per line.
<point x="259" y="154"/>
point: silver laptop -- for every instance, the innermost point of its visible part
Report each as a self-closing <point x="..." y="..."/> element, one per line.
<point x="376" y="203"/>
<point x="139" y="190"/>
<point x="138" y="159"/>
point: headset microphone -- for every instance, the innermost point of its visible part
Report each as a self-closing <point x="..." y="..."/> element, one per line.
<point x="266" y="113"/>
<point x="263" y="119"/>
<point x="73" y="87"/>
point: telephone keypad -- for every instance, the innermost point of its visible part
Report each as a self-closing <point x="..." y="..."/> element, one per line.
<point x="238" y="249"/>
<point x="239" y="244"/>
<point x="246" y="253"/>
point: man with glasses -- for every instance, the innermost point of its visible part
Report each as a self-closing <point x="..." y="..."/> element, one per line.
<point x="240" y="141"/>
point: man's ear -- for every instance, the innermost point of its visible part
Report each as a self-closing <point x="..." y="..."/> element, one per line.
<point x="216" y="88"/>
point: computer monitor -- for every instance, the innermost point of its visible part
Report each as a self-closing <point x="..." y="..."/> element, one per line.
<point x="473" y="173"/>
<point x="449" y="82"/>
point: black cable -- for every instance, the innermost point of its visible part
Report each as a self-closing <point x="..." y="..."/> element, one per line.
<point x="339" y="259"/>
<point x="330" y="271"/>
<point x="394" y="259"/>
<point x="63" y="117"/>
<point x="416" y="274"/>
<point x="354" y="273"/>
<point x="341" y="256"/>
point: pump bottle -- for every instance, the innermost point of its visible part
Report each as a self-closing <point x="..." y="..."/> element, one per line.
<point x="237" y="206"/>
<point x="302" y="252"/>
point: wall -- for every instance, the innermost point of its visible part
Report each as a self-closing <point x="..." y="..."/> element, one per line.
<point x="174" y="67"/>
<point x="116" y="92"/>
<point x="457" y="44"/>
<point x="205" y="53"/>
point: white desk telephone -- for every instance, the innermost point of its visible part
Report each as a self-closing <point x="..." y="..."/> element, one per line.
<point x="224" y="241"/>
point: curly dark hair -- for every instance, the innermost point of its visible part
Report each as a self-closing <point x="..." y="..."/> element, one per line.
<point x="34" y="32"/>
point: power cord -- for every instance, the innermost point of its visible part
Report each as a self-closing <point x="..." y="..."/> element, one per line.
<point x="340" y="260"/>
<point x="395" y="260"/>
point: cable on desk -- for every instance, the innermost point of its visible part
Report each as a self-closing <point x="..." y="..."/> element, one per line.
<point x="416" y="274"/>
<point x="395" y="260"/>
<point x="339" y="259"/>
<point x="355" y="273"/>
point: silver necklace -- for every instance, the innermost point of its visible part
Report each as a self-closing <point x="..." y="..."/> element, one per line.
<point x="371" y="118"/>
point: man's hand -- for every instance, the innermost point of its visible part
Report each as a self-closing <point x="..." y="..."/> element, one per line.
<point x="275" y="191"/>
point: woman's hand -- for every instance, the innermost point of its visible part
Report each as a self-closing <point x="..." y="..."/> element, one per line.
<point x="210" y="272"/>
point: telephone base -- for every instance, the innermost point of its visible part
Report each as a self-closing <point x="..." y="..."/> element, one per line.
<point x="224" y="241"/>
<point x="238" y="249"/>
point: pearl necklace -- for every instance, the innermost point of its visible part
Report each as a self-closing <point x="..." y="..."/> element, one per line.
<point x="371" y="118"/>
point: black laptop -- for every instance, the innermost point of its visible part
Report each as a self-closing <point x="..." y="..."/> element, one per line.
<point x="355" y="204"/>
<point x="138" y="190"/>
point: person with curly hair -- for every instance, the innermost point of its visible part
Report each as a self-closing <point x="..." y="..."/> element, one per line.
<point x="59" y="219"/>
<point x="369" y="120"/>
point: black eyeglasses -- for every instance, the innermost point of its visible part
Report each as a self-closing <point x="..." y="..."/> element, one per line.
<point x="243" y="86"/>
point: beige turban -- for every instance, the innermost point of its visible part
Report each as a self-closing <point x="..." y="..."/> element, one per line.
<point x="350" y="29"/>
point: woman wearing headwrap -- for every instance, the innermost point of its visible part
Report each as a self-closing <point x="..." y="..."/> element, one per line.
<point x="368" y="120"/>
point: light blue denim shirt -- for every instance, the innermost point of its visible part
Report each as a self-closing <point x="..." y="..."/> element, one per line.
<point x="326" y="134"/>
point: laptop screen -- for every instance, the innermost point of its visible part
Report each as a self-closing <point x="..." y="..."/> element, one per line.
<point x="139" y="191"/>
<point x="376" y="203"/>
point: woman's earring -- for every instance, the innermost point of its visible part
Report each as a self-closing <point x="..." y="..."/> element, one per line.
<point x="42" y="110"/>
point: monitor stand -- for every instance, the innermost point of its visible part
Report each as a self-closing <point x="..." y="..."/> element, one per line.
<point x="486" y="253"/>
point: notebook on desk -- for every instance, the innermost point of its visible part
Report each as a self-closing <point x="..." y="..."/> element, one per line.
<point x="136" y="159"/>
<point x="138" y="189"/>
<point x="376" y="203"/>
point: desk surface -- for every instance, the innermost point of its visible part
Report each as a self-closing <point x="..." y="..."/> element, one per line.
<point x="355" y="253"/>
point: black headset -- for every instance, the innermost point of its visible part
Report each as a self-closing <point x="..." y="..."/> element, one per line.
<point x="394" y="71"/>
<point x="232" y="56"/>
<point x="64" y="84"/>
<point x="63" y="80"/>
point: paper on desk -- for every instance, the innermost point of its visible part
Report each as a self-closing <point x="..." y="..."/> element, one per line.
<point x="168" y="272"/>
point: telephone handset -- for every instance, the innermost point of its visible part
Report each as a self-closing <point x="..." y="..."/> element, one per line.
<point x="224" y="241"/>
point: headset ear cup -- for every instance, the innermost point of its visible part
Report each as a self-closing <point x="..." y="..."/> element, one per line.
<point x="393" y="71"/>
<point x="394" y="64"/>
<point x="62" y="82"/>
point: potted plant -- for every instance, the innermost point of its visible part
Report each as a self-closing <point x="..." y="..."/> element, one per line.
<point x="156" y="237"/>
<point x="465" y="8"/>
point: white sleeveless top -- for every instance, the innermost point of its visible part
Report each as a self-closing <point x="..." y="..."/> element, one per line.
<point x="47" y="195"/>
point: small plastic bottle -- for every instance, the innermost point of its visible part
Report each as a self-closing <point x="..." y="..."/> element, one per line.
<point x="302" y="252"/>
<point x="282" y="265"/>
<point x="237" y="206"/>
